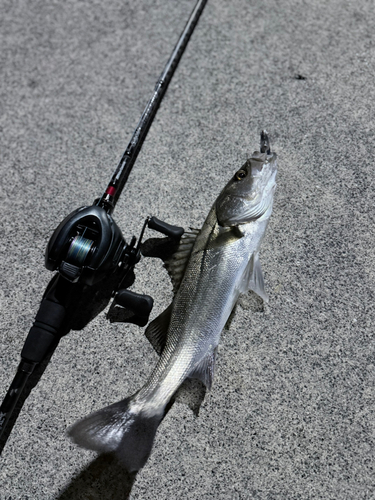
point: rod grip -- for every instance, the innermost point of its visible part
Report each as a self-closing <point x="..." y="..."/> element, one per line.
<point x="44" y="332"/>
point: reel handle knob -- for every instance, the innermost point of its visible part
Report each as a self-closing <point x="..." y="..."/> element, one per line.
<point x="174" y="232"/>
<point x="140" y="305"/>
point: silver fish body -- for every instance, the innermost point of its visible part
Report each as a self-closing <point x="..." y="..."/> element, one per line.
<point x="214" y="278"/>
<point x="209" y="271"/>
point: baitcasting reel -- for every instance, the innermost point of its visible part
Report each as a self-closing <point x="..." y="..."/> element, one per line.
<point x="88" y="246"/>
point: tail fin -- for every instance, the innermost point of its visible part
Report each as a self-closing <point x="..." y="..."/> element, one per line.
<point x="119" y="428"/>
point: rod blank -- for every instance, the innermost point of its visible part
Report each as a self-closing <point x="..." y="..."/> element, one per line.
<point x="119" y="178"/>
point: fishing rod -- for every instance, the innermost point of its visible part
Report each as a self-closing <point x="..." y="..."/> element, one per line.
<point x="92" y="258"/>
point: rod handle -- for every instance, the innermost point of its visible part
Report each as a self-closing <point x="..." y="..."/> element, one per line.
<point x="44" y="332"/>
<point x="24" y="370"/>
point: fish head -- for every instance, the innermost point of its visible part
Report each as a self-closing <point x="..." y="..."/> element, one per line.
<point x="249" y="194"/>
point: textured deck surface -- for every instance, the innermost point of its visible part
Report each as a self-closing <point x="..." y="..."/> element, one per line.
<point x="291" y="411"/>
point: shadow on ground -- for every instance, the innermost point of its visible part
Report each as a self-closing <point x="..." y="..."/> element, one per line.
<point x="102" y="479"/>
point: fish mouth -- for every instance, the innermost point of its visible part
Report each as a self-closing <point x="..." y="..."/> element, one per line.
<point x="261" y="162"/>
<point x="264" y="156"/>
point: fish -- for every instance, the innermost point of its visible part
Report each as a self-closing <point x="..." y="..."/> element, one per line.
<point x="209" y="271"/>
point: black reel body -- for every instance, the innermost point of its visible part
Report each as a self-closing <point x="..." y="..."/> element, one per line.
<point x="86" y="247"/>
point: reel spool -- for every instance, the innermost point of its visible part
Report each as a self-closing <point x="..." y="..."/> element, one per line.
<point x="86" y="247"/>
<point x="79" y="249"/>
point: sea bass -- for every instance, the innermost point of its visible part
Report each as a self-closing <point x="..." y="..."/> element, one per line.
<point x="211" y="268"/>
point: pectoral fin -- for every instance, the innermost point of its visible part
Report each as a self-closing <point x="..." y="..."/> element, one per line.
<point x="204" y="371"/>
<point x="253" y="278"/>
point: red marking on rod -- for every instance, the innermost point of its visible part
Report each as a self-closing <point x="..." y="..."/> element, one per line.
<point x="111" y="191"/>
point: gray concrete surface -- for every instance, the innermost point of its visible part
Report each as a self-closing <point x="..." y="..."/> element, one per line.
<point x="291" y="411"/>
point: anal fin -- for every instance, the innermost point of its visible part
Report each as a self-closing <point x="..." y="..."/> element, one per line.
<point x="204" y="371"/>
<point x="191" y="393"/>
<point x="157" y="330"/>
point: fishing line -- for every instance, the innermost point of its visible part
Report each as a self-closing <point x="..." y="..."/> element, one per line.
<point x="79" y="250"/>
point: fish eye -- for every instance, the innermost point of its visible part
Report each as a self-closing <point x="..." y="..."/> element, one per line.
<point x="241" y="174"/>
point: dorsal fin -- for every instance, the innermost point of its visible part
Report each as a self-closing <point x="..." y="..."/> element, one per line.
<point x="176" y="265"/>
